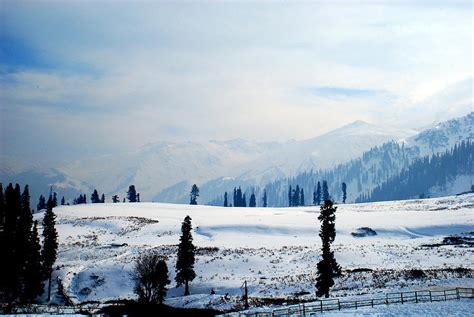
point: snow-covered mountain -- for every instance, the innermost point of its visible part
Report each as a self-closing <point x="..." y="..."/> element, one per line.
<point x="164" y="171"/>
<point x="324" y="151"/>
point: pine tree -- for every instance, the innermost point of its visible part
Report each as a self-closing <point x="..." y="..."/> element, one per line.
<point x="115" y="199"/>
<point x="33" y="286"/>
<point x="24" y="223"/>
<point x="63" y="201"/>
<point x="265" y="198"/>
<point x="302" y="203"/>
<point x="186" y="256"/>
<point x="194" y="194"/>
<point x="11" y="266"/>
<point x="50" y="244"/>
<point x="244" y="201"/>
<point x="41" y="204"/>
<point x="290" y="197"/>
<point x="325" y="193"/>
<point x="317" y="195"/>
<point x="102" y="199"/>
<point x="344" y="192"/>
<point x="95" y="197"/>
<point x="138" y="197"/>
<point x="55" y="200"/>
<point x="296" y="196"/>
<point x="162" y="277"/>
<point x="2" y="210"/>
<point x="327" y="267"/>
<point x="132" y="194"/>
<point x="252" y="201"/>
<point x="226" y="202"/>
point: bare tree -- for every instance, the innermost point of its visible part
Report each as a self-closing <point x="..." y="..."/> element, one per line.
<point x="151" y="277"/>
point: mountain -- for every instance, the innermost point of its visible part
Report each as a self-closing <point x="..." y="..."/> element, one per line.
<point x="381" y="163"/>
<point x="324" y="151"/>
<point x="40" y="179"/>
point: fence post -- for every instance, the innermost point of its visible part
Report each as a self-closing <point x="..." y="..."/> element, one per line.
<point x="321" y="305"/>
<point x="372" y="303"/>
<point x="356" y="304"/>
<point x="401" y="297"/>
<point x="386" y="299"/>
<point x="457" y="293"/>
<point x="416" y="297"/>
<point x="445" y="295"/>
<point x="304" y="310"/>
<point x="430" y="297"/>
<point x="338" y="304"/>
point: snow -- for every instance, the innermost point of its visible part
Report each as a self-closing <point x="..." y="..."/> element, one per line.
<point x="274" y="249"/>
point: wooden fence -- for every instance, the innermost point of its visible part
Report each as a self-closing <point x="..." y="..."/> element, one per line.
<point x="310" y="309"/>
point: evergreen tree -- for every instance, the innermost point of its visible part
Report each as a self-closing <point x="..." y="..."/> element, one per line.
<point x="24" y="223"/>
<point x="50" y="244"/>
<point x="296" y="196"/>
<point x="162" y="277"/>
<point x="226" y="202"/>
<point x="41" y="204"/>
<point x="327" y="267"/>
<point x="33" y="286"/>
<point x="194" y="194"/>
<point x="290" y="197"/>
<point x="2" y="210"/>
<point x="325" y="193"/>
<point x="244" y="201"/>
<point x="344" y="192"/>
<point x="55" y="200"/>
<point x="302" y="203"/>
<point x="63" y="201"/>
<point x="132" y="194"/>
<point x="11" y="268"/>
<point x="186" y="256"/>
<point x="95" y="197"/>
<point x="252" y="201"/>
<point x="138" y="197"/>
<point x="115" y="199"/>
<point x="102" y="199"/>
<point x="265" y="198"/>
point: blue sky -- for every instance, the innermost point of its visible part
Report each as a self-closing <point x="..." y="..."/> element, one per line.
<point x="85" y="78"/>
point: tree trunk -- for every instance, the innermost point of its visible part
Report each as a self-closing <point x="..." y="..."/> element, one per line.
<point x="186" y="288"/>
<point x="49" y="288"/>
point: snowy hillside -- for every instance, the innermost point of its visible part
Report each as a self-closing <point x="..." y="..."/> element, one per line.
<point x="273" y="249"/>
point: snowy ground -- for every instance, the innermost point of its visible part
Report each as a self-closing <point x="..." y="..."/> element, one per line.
<point x="274" y="249"/>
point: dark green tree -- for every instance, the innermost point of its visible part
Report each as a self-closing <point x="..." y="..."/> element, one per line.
<point x="302" y="203"/>
<point x="132" y="194"/>
<point x="344" y="192"/>
<point x="102" y="199"/>
<point x="186" y="256"/>
<point x="317" y="195"/>
<point x="226" y="202"/>
<point x="252" y="201"/>
<point x="33" y="277"/>
<point x="115" y="199"/>
<point x="325" y="192"/>
<point x="95" y="197"/>
<point x="194" y="194"/>
<point x="63" y="201"/>
<point x="50" y="244"/>
<point x="265" y="202"/>
<point x="41" y="204"/>
<point x="327" y="267"/>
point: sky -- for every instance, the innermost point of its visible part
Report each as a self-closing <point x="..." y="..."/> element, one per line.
<point x="82" y="78"/>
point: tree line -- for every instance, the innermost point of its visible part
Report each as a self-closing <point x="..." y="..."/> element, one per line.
<point x="26" y="263"/>
<point x="425" y="173"/>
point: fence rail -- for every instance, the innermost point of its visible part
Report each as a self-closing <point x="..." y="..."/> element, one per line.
<point x="309" y="309"/>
